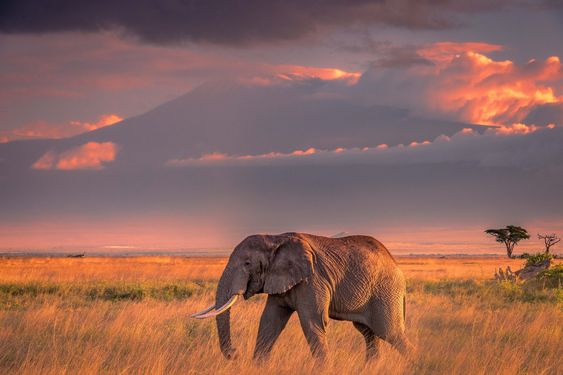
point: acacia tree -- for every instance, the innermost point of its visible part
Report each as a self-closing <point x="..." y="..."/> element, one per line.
<point x="549" y="240"/>
<point x="509" y="236"/>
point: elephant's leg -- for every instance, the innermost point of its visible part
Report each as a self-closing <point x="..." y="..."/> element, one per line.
<point x="370" y="339"/>
<point x="389" y="325"/>
<point x="273" y="321"/>
<point x="401" y="343"/>
<point x="314" y="322"/>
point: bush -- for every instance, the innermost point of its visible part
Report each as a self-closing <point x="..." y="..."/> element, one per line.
<point x="552" y="277"/>
<point x="534" y="259"/>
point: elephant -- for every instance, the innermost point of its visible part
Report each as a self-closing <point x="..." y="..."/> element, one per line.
<point x="352" y="278"/>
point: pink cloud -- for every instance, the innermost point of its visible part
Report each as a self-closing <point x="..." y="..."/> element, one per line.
<point x="91" y="155"/>
<point x="298" y="72"/>
<point x="214" y="156"/>
<point x="443" y="52"/>
<point x="106" y="62"/>
<point x="464" y="83"/>
<point x="44" y="129"/>
<point x="485" y="91"/>
<point x="221" y="158"/>
<point x="47" y="161"/>
<point x="103" y="121"/>
<point x="464" y="145"/>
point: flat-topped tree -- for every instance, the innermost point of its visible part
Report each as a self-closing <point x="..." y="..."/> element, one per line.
<point x="549" y="240"/>
<point x="509" y="236"/>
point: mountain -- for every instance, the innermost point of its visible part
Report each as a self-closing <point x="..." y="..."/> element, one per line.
<point x="466" y="179"/>
<point x="244" y="120"/>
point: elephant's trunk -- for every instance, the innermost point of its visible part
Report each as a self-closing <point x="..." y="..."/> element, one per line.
<point x="232" y="282"/>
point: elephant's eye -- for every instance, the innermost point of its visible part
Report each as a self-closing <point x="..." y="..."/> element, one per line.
<point x="247" y="263"/>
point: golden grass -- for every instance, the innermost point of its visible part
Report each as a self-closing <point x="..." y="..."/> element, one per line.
<point x="104" y="268"/>
<point x="460" y="330"/>
<point x="164" y="268"/>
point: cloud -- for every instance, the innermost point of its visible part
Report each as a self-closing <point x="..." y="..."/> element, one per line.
<point x="442" y="52"/>
<point x="546" y="114"/>
<point x="104" y="120"/>
<point x="56" y="74"/>
<point x="485" y="91"/>
<point x="298" y="72"/>
<point x="536" y="146"/>
<point x="466" y="85"/>
<point x="404" y="56"/>
<point x="47" y="161"/>
<point x="91" y="155"/>
<point x="44" y="129"/>
<point x="234" y="23"/>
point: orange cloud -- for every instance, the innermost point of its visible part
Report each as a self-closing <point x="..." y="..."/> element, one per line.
<point x="91" y="155"/>
<point x="516" y="129"/>
<point x="443" y="52"/>
<point x="43" y="129"/>
<point x="272" y="74"/>
<point x="297" y="72"/>
<point x="481" y="90"/>
<point x="47" y="161"/>
<point x="104" y="120"/>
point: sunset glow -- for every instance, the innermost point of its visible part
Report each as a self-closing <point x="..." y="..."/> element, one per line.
<point x="170" y="170"/>
<point x="295" y="72"/>
<point x="484" y="91"/>
<point x="364" y="118"/>
<point x="104" y="120"/>
<point x="91" y="155"/>
<point x="44" y="129"/>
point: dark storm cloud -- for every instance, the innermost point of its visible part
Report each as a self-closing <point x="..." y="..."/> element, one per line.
<point x="229" y="22"/>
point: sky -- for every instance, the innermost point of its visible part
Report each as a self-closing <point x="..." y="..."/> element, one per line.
<point x="192" y="124"/>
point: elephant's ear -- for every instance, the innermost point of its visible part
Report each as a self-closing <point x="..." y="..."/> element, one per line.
<point x="292" y="263"/>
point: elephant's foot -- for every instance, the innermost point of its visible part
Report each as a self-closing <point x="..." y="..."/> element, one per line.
<point x="260" y="355"/>
<point x="403" y="345"/>
<point x="230" y="353"/>
<point x="372" y="351"/>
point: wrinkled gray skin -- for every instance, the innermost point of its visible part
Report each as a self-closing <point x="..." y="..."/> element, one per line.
<point x="352" y="278"/>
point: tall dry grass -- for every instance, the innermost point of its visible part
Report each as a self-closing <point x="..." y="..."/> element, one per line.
<point x="182" y="268"/>
<point x="459" y="327"/>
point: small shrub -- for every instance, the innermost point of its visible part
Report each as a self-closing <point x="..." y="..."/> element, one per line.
<point x="172" y="292"/>
<point x="534" y="259"/>
<point x="511" y="291"/>
<point x="552" y="277"/>
<point x="529" y="293"/>
<point x="116" y="293"/>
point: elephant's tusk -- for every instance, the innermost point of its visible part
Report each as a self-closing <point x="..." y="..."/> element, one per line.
<point x="220" y="310"/>
<point x="203" y="311"/>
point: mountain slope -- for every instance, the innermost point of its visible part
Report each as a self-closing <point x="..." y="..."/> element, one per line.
<point x="245" y="120"/>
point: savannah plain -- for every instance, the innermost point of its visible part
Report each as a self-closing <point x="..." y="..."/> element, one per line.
<point x="131" y="315"/>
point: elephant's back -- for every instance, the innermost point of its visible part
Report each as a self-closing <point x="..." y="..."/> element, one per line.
<point x="366" y="245"/>
<point x="356" y="253"/>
